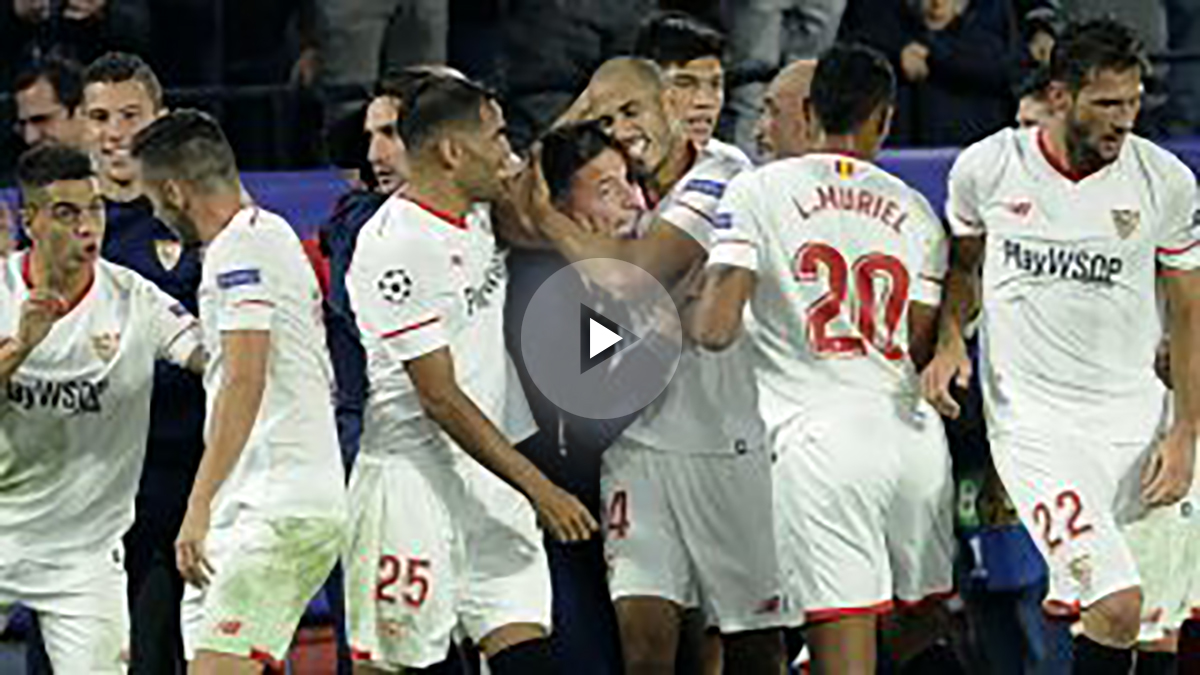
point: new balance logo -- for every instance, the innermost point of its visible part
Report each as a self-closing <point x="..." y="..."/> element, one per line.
<point x="1020" y="208"/>
<point x="229" y="628"/>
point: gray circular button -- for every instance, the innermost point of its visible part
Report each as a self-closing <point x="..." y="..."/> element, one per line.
<point x="601" y="338"/>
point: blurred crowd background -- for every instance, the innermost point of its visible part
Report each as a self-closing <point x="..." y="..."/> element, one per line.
<point x="281" y="73"/>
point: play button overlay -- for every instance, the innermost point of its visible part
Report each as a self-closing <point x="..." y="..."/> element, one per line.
<point x="601" y="338"/>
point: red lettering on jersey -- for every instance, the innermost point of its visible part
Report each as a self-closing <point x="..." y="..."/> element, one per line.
<point x="855" y="200"/>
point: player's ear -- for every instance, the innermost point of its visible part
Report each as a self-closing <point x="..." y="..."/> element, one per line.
<point x="886" y="113"/>
<point x="673" y="103"/>
<point x="174" y="194"/>
<point x="1058" y="97"/>
<point x="449" y="152"/>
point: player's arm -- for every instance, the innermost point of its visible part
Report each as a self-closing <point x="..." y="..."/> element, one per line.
<point x="922" y="333"/>
<point x="243" y="383"/>
<point x="950" y="364"/>
<point x="1167" y="474"/>
<point x="732" y="272"/>
<point x="447" y="405"/>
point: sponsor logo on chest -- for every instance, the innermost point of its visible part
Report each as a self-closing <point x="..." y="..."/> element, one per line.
<point x="1069" y="263"/>
<point x="480" y="297"/>
<point x="71" y="397"/>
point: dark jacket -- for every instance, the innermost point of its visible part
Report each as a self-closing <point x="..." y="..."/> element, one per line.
<point x="974" y="64"/>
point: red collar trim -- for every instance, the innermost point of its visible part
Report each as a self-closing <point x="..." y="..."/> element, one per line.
<point x="27" y="277"/>
<point x="1057" y="164"/>
<point x="456" y="221"/>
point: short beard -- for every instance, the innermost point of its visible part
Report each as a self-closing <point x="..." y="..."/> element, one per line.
<point x="1083" y="156"/>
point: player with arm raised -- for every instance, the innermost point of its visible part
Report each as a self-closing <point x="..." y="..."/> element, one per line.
<point x="841" y="264"/>
<point x="688" y="484"/>
<point x="81" y="337"/>
<point x="1069" y="224"/>
<point x="443" y="533"/>
<point x="266" y="515"/>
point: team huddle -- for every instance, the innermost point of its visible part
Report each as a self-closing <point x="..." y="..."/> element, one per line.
<point x="795" y="472"/>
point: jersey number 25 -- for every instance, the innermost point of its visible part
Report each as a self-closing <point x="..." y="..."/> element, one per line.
<point x="867" y="270"/>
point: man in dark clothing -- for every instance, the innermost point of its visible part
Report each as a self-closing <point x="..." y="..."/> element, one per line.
<point x="115" y="85"/>
<point x="957" y="60"/>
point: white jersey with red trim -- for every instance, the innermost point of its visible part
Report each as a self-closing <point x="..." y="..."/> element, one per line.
<point x="257" y="278"/>
<point x="710" y="406"/>
<point x="840" y="249"/>
<point x="1069" y="299"/>
<point x="422" y="280"/>
<point x="75" y="416"/>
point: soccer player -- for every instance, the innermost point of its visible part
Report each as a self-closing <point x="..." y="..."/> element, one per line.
<point x="48" y="96"/>
<point x="81" y="336"/>
<point x="689" y="53"/>
<point x="841" y="264"/>
<point x="1069" y="224"/>
<point x="444" y="509"/>
<point x="266" y="516"/>
<point x="784" y="129"/>
<point x="688" y="485"/>
<point x="121" y="96"/>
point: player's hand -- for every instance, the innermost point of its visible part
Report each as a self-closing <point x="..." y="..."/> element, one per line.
<point x="564" y="515"/>
<point x="39" y="313"/>
<point x="950" y="366"/>
<point x="1167" y="475"/>
<point x="914" y="62"/>
<point x="190" y="556"/>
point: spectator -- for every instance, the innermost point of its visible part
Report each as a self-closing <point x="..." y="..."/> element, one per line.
<point x="78" y="29"/>
<point x="1034" y="102"/>
<point x="1183" y="79"/>
<point x="48" y="94"/>
<point x="957" y="60"/>
<point x="366" y="38"/>
<point x="772" y="33"/>
<point x="550" y="49"/>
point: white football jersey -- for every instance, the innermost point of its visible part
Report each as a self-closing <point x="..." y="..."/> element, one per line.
<point x="840" y="248"/>
<point x="1069" y="306"/>
<point x="74" y="421"/>
<point x="257" y="278"/>
<point x="422" y="280"/>
<point x="710" y="406"/>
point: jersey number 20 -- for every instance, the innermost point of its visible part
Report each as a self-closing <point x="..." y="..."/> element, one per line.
<point x="867" y="270"/>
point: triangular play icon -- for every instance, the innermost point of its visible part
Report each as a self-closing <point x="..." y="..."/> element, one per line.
<point x="600" y="338"/>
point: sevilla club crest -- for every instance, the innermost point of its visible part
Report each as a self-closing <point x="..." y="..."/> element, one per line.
<point x="106" y="345"/>
<point x="1126" y="221"/>
<point x="169" y="252"/>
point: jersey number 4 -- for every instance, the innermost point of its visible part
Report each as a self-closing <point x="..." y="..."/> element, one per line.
<point x="867" y="271"/>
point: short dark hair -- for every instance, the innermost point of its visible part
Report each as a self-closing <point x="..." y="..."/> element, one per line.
<point x="1034" y="84"/>
<point x="677" y="37"/>
<point x="65" y="77"/>
<point x="438" y="103"/>
<point x="851" y="82"/>
<point x="187" y="145"/>
<point x="117" y="67"/>
<point x="1091" y="46"/>
<point x="568" y="148"/>
<point x="47" y="163"/>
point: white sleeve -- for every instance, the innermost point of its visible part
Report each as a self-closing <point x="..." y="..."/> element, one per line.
<point x="246" y="278"/>
<point x="401" y="295"/>
<point x="934" y="249"/>
<point x="694" y="206"/>
<point x="739" y="234"/>
<point x="1178" y="241"/>
<point x="964" y="199"/>
<point x="176" y="332"/>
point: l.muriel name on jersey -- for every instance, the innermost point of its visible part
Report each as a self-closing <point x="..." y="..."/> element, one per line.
<point x="70" y="396"/>
<point x="1065" y="263"/>
<point x="857" y="200"/>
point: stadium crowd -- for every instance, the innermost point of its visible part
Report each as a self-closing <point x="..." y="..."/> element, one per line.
<point x="899" y="438"/>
